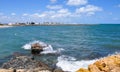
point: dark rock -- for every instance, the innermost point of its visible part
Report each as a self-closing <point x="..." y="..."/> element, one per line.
<point x="24" y="62"/>
<point x="36" y="48"/>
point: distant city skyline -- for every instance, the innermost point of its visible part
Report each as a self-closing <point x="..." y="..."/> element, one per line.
<point x="63" y="11"/>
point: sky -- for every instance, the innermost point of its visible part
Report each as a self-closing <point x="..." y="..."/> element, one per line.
<point x="63" y="11"/>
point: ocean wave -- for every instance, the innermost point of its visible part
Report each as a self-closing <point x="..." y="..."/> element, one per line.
<point x="70" y="64"/>
<point x="48" y="49"/>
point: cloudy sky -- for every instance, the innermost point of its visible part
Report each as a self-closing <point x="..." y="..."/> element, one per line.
<point x="64" y="11"/>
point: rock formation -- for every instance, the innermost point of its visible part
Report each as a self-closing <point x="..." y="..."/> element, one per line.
<point x="36" y="48"/>
<point x="24" y="64"/>
<point x="107" y="64"/>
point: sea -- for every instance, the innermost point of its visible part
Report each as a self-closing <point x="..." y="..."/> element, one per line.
<point x="69" y="47"/>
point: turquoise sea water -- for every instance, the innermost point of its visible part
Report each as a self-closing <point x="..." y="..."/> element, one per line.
<point x="85" y="42"/>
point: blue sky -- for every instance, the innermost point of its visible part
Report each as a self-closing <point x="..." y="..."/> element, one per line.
<point x="64" y="11"/>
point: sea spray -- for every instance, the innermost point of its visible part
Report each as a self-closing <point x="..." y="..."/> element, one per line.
<point x="48" y="49"/>
<point x="70" y="64"/>
<point x="28" y="45"/>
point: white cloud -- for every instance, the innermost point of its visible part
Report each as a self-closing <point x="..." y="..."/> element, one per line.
<point x="77" y="2"/>
<point x="42" y="15"/>
<point x="51" y="14"/>
<point x="13" y="14"/>
<point x="37" y="15"/>
<point x="54" y="6"/>
<point x="90" y="13"/>
<point x="53" y="1"/>
<point x="89" y="9"/>
<point x="25" y="14"/>
<point x="61" y="13"/>
<point x="119" y="5"/>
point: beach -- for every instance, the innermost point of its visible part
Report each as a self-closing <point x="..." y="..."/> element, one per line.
<point x="5" y="26"/>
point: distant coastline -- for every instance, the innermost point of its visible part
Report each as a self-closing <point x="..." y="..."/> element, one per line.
<point x="12" y="25"/>
<point x="7" y="25"/>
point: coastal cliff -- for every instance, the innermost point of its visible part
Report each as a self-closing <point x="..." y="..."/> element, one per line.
<point x="107" y="64"/>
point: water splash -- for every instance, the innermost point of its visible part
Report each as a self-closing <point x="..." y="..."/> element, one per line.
<point x="70" y="64"/>
<point x="46" y="50"/>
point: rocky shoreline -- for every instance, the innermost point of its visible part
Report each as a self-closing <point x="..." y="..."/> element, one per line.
<point x="107" y="64"/>
<point x="22" y="63"/>
<point x="26" y="64"/>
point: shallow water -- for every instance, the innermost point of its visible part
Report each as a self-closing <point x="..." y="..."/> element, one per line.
<point x="86" y="42"/>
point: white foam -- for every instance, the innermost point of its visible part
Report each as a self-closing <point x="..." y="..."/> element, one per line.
<point x="70" y="64"/>
<point x="46" y="50"/>
<point x="27" y="46"/>
<point x="50" y="50"/>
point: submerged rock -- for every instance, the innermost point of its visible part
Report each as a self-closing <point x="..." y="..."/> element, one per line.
<point x="25" y="64"/>
<point x="107" y="64"/>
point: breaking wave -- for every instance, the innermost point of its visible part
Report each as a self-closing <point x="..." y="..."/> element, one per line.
<point x="70" y="64"/>
<point x="46" y="50"/>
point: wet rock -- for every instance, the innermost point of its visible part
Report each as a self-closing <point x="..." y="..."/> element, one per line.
<point x="24" y="62"/>
<point x="107" y="64"/>
<point x="36" y="48"/>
